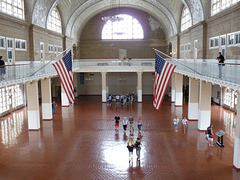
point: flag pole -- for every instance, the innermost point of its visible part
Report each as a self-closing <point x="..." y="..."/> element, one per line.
<point x="51" y="60"/>
<point x="157" y="51"/>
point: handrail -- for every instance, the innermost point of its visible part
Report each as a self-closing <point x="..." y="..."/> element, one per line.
<point x="156" y="50"/>
<point x="51" y="61"/>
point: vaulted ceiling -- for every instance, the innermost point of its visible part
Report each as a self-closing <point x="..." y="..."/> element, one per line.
<point x="76" y="13"/>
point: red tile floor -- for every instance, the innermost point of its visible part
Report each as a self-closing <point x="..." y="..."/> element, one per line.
<point x="80" y="143"/>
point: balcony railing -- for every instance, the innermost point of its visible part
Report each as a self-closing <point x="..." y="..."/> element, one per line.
<point x="205" y="68"/>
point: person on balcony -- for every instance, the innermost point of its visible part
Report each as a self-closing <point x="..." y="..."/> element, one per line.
<point x="221" y="60"/>
<point x="2" y="68"/>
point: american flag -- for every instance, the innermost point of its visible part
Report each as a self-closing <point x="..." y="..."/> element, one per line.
<point x="64" y="70"/>
<point x="163" y="74"/>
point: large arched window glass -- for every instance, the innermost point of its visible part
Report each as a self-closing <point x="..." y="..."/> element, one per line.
<point x="186" y="20"/>
<point x="219" y="5"/>
<point x="122" y="27"/>
<point x="13" y="8"/>
<point x="54" y="21"/>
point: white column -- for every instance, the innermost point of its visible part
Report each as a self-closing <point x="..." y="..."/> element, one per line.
<point x="236" y="155"/>
<point x="46" y="98"/>
<point x="107" y="87"/>
<point x="33" y="105"/>
<point x="204" y="115"/>
<point x="179" y="89"/>
<point x="64" y="99"/>
<point x="104" y="87"/>
<point x="193" y="99"/>
<point x="173" y="89"/>
<point x="139" y="86"/>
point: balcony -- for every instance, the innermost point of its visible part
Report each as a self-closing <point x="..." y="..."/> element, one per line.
<point x="207" y="70"/>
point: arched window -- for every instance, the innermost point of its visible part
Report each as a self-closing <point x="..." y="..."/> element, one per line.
<point x="13" y="7"/>
<point x="122" y="26"/>
<point x="219" y="5"/>
<point x="54" y="21"/>
<point x="186" y="20"/>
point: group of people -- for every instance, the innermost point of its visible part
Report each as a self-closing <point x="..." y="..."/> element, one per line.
<point x="125" y="123"/>
<point x="184" y="123"/>
<point x="123" y="98"/>
<point x="131" y="144"/>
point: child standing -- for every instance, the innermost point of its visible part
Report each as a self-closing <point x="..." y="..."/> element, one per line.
<point x="125" y="122"/>
<point x="138" y="148"/>
<point x="54" y="107"/>
<point x="184" y="123"/>
<point x="139" y="123"/>
<point x="117" y="118"/>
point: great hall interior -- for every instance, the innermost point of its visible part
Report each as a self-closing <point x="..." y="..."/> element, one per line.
<point x="113" y="45"/>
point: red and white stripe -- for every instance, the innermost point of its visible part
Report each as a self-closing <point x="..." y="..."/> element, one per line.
<point x="66" y="79"/>
<point x="161" y="83"/>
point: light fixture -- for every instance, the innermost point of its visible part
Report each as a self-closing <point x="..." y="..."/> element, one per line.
<point x="113" y="18"/>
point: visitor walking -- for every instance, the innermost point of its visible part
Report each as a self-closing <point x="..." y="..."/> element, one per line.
<point x="140" y="123"/>
<point x="131" y="122"/>
<point x="117" y="118"/>
<point x="175" y="122"/>
<point x="138" y="148"/>
<point x="184" y="123"/>
<point x="130" y="146"/>
<point x="125" y="122"/>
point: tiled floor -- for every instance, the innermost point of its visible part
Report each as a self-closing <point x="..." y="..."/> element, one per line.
<point x="80" y="143"/>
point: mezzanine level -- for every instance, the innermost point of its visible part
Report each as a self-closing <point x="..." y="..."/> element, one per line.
<point x="207" y="70"/>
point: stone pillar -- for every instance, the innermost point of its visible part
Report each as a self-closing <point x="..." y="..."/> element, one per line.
<point x="193" y="99"/>
<point x="236" y="154"/>
<point x="204" y="113"/>
<point x="139" y="86"/>
<point x="104" y="87"/>
<point x="107" y="87"/>
<point x="64" y="99"/>
<point x="173" y="88"/>
<point x="179" y="89"/>
<point x="33" y="105"/>
<point x="46" y="98"/>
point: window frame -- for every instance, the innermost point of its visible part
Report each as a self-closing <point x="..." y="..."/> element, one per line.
<point x="54" y="23"/>
<point x="213" y="39"/>
<point x="13" y="9"/>
<point x="220" y="5"/>
<point x="21" y="45"/>
<point x="4" y="42"/>
<point x="111" y="29"/>
<point x="186" y="19"/>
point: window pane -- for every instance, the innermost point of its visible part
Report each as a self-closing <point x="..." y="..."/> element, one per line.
<point x="186" y="20"/>
<point x="13" y="7"/>
<point x="122" y="26"/>
<point x="54" y="21"/>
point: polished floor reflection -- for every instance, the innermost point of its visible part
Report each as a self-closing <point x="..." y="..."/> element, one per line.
<point x="81" y="143"/>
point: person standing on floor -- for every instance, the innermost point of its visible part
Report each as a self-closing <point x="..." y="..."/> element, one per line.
<point x="110" y="100"/>
<point x="117" y="118"/>
<point x="210" y="135"/>
<point x="130" y="146"/>
<point x="125" y="122"/>
<point x="131" y="122"/>
<point x="175" y="122"/>
<point x="138" y="148"/>
<point x="54" y="107"/>
<point x="140" y="123"/>
<point x="184" y="123"/>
